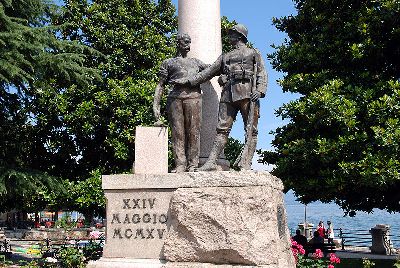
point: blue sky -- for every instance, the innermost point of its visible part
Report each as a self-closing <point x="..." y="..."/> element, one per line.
<point x="257" y="16"/>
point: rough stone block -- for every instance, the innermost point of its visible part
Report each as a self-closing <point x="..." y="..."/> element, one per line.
<point x="229" y="225"/>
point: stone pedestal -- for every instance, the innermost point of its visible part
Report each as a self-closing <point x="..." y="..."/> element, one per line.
<point x="151" y="150"/>
<point x="380" y="240"/>
<point x="203" y="219"/>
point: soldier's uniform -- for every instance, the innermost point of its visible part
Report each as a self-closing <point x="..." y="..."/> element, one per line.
<point x="236" y="70"/>
<point x="184" y="110"/>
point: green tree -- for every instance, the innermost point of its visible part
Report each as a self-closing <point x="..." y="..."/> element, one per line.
<point x="30" y="52"/>
<point x="232" y="150"/>
<point x="85" y="196"/>
<point x="341" y="141"/>
<point x="96" y="124"/>
<point x="226" y="24"/>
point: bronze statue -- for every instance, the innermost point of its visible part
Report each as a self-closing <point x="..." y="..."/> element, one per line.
<point x="183" y="105"/>
<point x="244" y="80"/>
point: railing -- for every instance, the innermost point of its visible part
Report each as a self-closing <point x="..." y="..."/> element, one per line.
<point x="363" y="238"/>
<point x="355" y="238"/>
<point x="395" y="239"/>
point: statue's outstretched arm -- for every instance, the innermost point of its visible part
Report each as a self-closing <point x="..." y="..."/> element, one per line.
<point x="208" y="73"/>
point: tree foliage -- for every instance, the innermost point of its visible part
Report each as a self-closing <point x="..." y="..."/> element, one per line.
<point x="226" y="24"/>
<point x="84" y="128"/>
<point x="342" y="139"/>
<point x="30" y="49"/>
<point x="98" y="122"/>
<point x="30" y="53"/>
<point x="232" y="150"/>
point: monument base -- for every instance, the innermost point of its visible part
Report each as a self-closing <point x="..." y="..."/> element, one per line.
<point x="147" y="263"/>
<point x="197" y="219"/>
<point x="223" y="164"/>
<point x="125" y="263"/>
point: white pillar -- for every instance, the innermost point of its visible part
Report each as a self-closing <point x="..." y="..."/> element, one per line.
<point x="201" y="19"/>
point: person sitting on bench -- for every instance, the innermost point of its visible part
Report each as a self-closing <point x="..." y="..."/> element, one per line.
<point x="300" y="239"/>
<point x="317" y="242"/>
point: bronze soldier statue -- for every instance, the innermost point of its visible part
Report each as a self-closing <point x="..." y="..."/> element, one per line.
<point x="183" y="105"/>
<point x="244" y="80"/>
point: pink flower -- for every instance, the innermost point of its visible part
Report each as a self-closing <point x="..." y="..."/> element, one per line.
<point x="302" y="251"/>
<point x="333" y="258"/>
<point x="318" y="254"/>
<point x="331" y="266"/>
<point x="94" y="234"/>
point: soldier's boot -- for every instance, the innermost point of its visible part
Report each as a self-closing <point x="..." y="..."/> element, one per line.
<point x="219" y="144"/>
<point x="245" y="164"/>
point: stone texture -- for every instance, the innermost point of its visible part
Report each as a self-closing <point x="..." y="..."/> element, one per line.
<point x="229" y="218"/>
<point x="151" y="150"/>
<point x="191" y="180"/>
<point x="148" y="263"/>
<point x="381" y="243"/>
<point x="137" y="223"/>
<point x="126" y="263"/>
<point x="229" y="225"/>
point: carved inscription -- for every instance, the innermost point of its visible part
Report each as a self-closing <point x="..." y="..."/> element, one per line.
<point x="137" y="213"/>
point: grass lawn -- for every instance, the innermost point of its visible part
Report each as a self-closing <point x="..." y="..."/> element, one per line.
<point x="357" y="263"/>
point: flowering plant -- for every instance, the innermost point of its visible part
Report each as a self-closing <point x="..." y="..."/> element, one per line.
<point x="95" y="235"/>
<point x="94" y="249"/>
<point x="316" y="260"/>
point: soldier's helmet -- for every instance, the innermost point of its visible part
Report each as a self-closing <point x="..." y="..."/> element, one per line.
<point x="241" y="29"/>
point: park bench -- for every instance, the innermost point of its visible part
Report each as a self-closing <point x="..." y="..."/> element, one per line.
<point x="326" y="248"/>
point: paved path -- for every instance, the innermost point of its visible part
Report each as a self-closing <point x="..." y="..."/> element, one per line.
<point x="359" y="253"/>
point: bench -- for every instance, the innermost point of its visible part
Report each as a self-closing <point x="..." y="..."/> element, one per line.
<point x="325" y="248"/>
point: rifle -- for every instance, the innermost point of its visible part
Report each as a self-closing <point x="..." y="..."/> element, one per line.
<point x="244" y="154"/>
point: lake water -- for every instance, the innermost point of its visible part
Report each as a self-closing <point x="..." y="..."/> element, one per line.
<point x="318" y="211"/>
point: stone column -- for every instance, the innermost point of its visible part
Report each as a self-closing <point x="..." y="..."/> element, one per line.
<point x="201" y="19"/>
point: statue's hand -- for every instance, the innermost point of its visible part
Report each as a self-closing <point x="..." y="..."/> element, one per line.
<point x="181" y="81"/>
<point x="255" y="96"/>
<point x="222" y="80"/>
<point x="159" y="123"/>
<point x="157" y="116"/>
